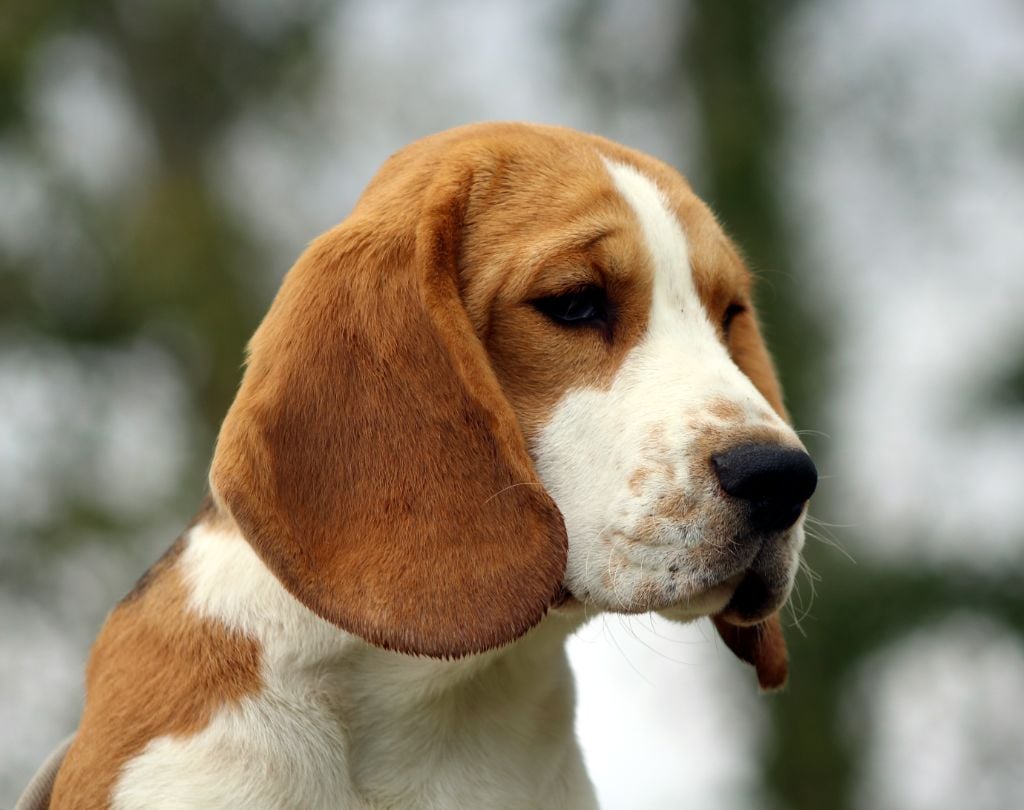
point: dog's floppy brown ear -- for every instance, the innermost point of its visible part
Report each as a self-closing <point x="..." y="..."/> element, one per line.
<point x="762" y="645"/>
<point x="370" y="457"/>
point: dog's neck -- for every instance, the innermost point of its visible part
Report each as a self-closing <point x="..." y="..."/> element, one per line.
<point x="406" y="727"/>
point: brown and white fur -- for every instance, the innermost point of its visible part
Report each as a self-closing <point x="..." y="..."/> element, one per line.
<point x="426" y="483"/>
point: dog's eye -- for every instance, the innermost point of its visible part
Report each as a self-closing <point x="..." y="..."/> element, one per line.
<point x="586" y="306"/>
<point x="730" y="315"/>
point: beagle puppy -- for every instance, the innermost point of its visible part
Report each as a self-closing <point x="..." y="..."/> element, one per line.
<point x="522" y="383"/>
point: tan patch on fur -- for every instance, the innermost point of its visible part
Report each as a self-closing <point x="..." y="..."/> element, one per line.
<point x="655" y="441"/>
<point x="637" y="479"/>
<point x="726" y="410"/>
<point x="658" y="454"/>
<point x="677" y="506"/>
<point x="156" y="669"/>
<point x="670" y="509"/>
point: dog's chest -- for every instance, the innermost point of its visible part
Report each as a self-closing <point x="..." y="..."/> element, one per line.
<point x="340" y="724"/>
<point x="311" y="746"/>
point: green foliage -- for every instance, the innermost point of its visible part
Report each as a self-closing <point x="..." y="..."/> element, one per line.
<point x="173" y="262"/>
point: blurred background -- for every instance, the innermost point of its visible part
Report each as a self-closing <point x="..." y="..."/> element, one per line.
<point x="162" y="162"/>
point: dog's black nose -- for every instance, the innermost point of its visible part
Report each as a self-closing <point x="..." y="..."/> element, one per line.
<point x="776" y="481"/>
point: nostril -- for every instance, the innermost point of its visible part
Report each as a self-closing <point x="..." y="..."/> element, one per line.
<point x="775" y="480"/>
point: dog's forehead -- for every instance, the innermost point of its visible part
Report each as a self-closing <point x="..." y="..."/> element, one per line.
<point x="540" y="191"/>
<point x="693" y="260"/>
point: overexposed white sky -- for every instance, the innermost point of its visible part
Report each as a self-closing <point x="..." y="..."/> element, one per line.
<point x="935" y="715"/>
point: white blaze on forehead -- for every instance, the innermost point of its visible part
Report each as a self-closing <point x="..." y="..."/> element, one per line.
<point x="663" y="237"/>
<point x="681" y="342"/>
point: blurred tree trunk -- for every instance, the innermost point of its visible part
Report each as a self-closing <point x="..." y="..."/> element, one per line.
<point x="728" y="57"/>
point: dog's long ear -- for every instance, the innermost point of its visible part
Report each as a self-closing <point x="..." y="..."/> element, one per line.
<point x="370" y="457"/>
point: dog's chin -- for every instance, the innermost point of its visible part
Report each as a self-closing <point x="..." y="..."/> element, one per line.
<point x="742" y="583"/>
<point x="742" y="599"/>
<point x="648" y="597"/>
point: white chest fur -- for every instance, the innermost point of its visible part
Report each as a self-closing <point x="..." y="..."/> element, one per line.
<point x="341" y="724"/>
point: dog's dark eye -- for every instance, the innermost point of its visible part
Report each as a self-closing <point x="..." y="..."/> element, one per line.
<point x="586" y="306"/>
<point x="730" y="315"/>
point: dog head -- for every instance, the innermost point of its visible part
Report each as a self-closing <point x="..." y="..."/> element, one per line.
<point x="526" y="366"/>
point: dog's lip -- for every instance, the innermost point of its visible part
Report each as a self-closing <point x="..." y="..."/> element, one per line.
<point x="727" y="585"/>
<point x="753" y="601"/>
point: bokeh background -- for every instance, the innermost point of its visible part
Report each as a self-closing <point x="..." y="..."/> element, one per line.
<point x="163" y="161"/>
